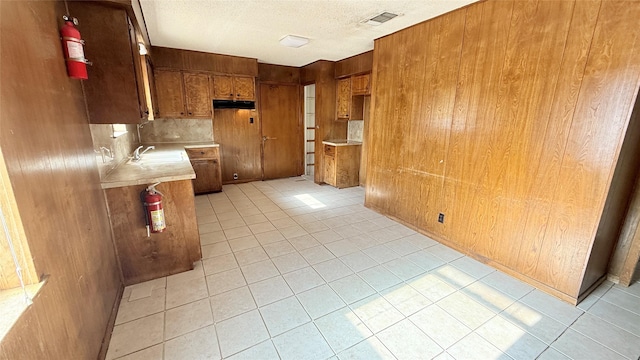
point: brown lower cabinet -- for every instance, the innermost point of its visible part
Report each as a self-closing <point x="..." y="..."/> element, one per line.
<point x="206" y="164"/>
<point x="342" y="165"/>
<point x="143" y="257"/>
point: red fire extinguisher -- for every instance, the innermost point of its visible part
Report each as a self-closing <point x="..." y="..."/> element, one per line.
<point x="72" y="46"/>
<point x="153" y="212"/>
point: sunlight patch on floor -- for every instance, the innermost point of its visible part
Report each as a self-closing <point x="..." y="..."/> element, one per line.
<point x="310" y="201"/>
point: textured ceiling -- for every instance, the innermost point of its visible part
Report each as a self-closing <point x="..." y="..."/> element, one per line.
<point x="253" y="28"/>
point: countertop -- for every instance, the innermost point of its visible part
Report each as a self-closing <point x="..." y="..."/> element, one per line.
<point x="341" y="142"/>
<point x="167" y="162"/>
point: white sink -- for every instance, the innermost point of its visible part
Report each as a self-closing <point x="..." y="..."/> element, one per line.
<point x="158" y="158"/>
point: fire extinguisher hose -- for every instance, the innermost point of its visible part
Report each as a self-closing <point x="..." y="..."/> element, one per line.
<point x="143" y="193"/>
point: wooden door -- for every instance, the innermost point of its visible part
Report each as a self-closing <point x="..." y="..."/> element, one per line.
<point x="245" y="88"/>
<point x="222" y="87"/>
<point x="238" y="133"/>
<point x="197" y="95"/>
<point x="282" y="131"/>
<point x="343" y="95"/>
<point x="170" y="93"/>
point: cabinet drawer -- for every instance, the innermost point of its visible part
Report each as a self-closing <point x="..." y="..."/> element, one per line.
<point x="203" y="153"/>
<point x="329" y="150"/>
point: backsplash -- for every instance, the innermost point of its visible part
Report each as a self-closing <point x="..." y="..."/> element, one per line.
<point x="119" y="148"/>
<point x="355" y="130"/>
<point x="177" y="130"/>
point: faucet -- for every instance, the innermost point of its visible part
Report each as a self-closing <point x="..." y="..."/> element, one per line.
<point x="137" y="154"/>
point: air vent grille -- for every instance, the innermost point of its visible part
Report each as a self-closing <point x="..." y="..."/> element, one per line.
<point x="383" y="18"/>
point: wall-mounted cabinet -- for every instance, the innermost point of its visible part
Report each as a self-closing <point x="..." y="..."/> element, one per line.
<point x="234" y="87"/>
<point x="343" y="95"/>
<point x="170" y="92"/>
<point x="183" y="94"/>
<point x="361" y="85"/>
<point x="350" y="97"/>
<point x="197" y="95"/>
<point x="115" y="89"/>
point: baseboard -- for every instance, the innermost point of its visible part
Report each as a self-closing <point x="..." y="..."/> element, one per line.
<point x="110" y="324"/>
<point x="535" y="283"/>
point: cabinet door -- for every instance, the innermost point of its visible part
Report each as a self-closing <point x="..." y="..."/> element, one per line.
<point x="112" y="92"/>
<point x="151" y="84"/>
<point x="343" y="93"/>
<point x="329" y="157"/>
<point x="245" y="87"/>
<point x="208" y="176"/>
<point x="222" y="87"/>
<point x="196" y="91"/>
<point x="170" y="93"/>
<point x="360" y="85"/>
<point x="139" y="76"/>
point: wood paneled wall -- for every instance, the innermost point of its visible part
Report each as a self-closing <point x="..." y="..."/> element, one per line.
<point x="508" y="117"/>
<point x="240" y="144"/>
<point x="358" y="64"/>
<point x="322" y="74"/>
<point x="49" y="157"/>
<point x="200" y="61"/>
<point x="278" y="73"/>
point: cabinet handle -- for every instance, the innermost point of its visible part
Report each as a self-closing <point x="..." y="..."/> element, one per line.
<point x="202" y="152"/>
<point x="146" y="112"/>
<point x="181" y="113"/>
<point x="238" y="95"/>
<point x="190" y="113"/>
<point x="230" y="94"/>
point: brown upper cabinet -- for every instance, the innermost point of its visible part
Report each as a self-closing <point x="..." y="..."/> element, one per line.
<point x="183" y="94"/>
<point x="197" y="95"/>
<point x="343" y="95"/>
<point x="350" y="93"/>
<point x="115" y="90"/>
<point x="233" y="87"/>
<point x="170" y="92"/>
<point x="223" y="87"/>
<point x="360" y="85"/>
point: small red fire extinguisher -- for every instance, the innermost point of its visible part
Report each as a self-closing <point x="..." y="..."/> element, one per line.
<point x="72" y="46"/>
<point x="153" y="212"/>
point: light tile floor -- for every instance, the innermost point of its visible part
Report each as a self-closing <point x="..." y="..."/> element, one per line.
<point x="293" y="270"/>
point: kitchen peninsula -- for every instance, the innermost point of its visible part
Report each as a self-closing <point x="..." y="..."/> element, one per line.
<point x="143" y="257"/>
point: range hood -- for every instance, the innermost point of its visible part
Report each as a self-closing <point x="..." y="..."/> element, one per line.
<point x="229" y="104"/>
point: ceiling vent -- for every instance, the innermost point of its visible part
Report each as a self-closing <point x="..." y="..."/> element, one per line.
<point x="382" y="18"/>
<point x="293" y="41"/>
